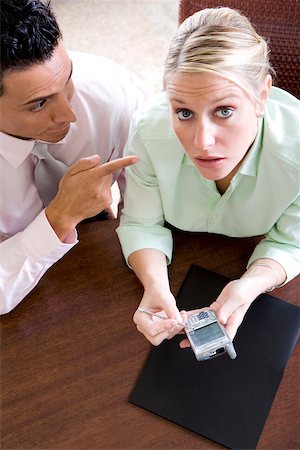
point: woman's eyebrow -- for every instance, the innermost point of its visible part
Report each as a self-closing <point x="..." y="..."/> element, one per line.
<point x="177" y="100"/>
<point x="217" y="100"/>
<point x="225" y="97"/>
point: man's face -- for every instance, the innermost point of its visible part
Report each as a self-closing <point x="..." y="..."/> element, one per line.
<point x="36" y="101"/>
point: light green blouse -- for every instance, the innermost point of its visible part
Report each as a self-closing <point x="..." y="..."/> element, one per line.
<point x="262" y="199"/>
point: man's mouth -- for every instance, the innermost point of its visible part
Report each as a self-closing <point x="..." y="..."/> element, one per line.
<point x="60" y="129"/>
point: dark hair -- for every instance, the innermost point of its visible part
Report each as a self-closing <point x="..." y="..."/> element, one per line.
<point x="29" y="34"/>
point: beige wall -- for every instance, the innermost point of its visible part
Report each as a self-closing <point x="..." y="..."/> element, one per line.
<point x="135" y="33"/>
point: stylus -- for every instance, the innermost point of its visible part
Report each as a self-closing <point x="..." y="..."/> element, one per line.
<point x="182" y="324"/>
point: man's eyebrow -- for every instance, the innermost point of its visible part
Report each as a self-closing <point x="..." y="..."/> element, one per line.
<point x="38" y="99"/>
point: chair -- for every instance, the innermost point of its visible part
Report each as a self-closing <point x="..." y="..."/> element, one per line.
<point x="278" y="21"/>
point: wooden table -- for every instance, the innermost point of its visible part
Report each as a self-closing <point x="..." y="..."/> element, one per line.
<point x="71" y="353"/>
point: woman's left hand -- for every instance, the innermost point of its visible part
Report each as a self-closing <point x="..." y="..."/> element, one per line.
<point x="233" y="303"/>
<point x="237" y="296"/>
<point x="231" y="306"/>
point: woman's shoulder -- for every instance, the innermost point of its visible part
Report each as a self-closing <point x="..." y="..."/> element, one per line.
<point x="282" y="106"/>
<point x="153" y="118"/>
<point x="282" y="98"/>
<point x="282" y="125"/>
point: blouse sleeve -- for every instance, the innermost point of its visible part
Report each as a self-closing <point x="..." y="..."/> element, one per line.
<point x="282" y="243"/>
<point x="142" y="221"/>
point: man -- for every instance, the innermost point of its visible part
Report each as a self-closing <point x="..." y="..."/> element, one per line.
<point x="78" y="108"/>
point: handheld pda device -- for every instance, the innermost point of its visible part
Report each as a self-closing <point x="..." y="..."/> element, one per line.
<point x="208" y="337"/>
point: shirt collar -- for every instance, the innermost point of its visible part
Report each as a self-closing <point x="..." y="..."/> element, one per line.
<point x="250" y="164"/>
<point x="15" y="150"/>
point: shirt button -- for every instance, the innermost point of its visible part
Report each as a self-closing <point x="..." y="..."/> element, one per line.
<point x="214" y="217"/>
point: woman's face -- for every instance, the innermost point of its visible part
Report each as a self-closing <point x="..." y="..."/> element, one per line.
<point x="214" y="119"/>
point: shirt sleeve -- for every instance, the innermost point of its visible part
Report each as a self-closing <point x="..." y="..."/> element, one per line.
<point x="282" y="243"/>
<point x="25" y="257"/>
<point x="142" y="220"/>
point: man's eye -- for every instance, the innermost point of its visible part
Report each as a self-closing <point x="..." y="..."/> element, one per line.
<point x="224" y="113"/>
<point x="38" y="106"/>
<point x="184" y="114"/>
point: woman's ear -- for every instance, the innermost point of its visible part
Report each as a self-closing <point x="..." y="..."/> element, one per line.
<point x="265" y="88"/>
<point x="264" y="95"/>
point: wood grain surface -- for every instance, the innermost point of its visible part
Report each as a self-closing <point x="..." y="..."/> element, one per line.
<point x="70" y="353"/>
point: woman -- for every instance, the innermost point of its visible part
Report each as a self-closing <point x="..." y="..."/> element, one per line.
<point x="219" y="152"/>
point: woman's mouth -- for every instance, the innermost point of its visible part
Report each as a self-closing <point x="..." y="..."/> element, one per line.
<point x="209" y="163"/>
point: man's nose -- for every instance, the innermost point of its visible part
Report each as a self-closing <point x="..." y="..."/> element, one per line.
<point x="63" y="111"/>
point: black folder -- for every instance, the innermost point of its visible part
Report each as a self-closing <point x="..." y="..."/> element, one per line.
<point x="224" y="400"/>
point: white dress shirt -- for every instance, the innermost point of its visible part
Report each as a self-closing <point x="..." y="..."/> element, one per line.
<point x="105" y="97"/>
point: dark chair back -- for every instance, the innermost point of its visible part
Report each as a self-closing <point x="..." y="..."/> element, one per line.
<point x="276" y="20"/>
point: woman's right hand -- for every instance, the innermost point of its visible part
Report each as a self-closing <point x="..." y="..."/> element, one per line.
<point x="153" y="328"/>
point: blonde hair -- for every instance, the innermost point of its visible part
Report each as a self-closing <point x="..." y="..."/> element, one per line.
<point x="222" y="41"/>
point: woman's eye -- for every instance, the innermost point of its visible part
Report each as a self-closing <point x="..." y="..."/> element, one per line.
<point x="184" y="114"/>
<point x="39" y="106"/>
<point x="224" y="113"/>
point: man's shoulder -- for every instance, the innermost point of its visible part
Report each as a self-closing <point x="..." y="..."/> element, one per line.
<point x="98" y="79"/>
<point x="91" y="70"/>
<point x="88" y="67"/>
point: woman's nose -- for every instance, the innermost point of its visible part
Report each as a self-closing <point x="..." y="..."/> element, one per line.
<point x="204" y="136"/>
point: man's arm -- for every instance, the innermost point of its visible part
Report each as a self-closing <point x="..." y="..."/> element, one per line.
<point x="84" y="191"/>
<point x="25" y="257"/>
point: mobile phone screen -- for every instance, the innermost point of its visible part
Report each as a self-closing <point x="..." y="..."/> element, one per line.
<point x="207" y="334"/>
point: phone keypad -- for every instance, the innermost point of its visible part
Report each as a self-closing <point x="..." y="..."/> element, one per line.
<point x="203" y="317"/>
